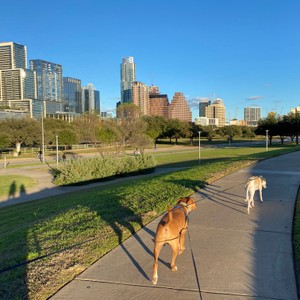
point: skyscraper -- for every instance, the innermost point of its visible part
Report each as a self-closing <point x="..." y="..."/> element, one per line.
<point x="203" y="104"/>
<point x="90" y="99"/>
<point x="179" y="108"/>
<point x="13" y="56"/>
<point x="72" y="95"/>
<point x="49" y="84"/>
<point x="252" y="115"/>
<point x="127" y="77"/>
<point x="159" y="105"/>
<point x="217" y="110"/>
<point x="140" y="96"/>
<point x="17" y="83"/>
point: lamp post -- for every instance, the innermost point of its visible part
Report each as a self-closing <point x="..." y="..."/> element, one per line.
<point x="56" y="151"/>
<point x="267" y="140"/>
<point x="43" y="138"/>
<point x="199" y="146"/>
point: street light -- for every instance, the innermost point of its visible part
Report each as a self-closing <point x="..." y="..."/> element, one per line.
<point x="56" y="151"/>
<point x="199" y="147"/>
<point x="43" y="138"/>
<point x="267" y="140"/>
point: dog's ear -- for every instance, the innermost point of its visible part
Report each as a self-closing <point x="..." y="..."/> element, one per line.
<point x="190" y="200"/>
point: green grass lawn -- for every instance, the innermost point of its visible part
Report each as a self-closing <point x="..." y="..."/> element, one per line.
<point x="13" y="185"/>
<point x="46" y="243"/>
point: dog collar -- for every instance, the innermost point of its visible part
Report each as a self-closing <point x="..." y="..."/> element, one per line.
<point x="185" y="205"/>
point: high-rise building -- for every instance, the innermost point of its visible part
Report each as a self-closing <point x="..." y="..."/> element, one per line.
<point x="90" y="99"/>
<point x="159" y="105"/>
<point x="72" y="95"/>
<point x="128" y="76"/>
<point x="179" y="108"/>
<point x="252" y="115"/>
<point x="203" y="104"/>
<point x="12" y="56"/>
<point x="49" y="84"/>
<point x="17" y="83"/>
<point x="217" y="110"/>
<point x="140" y="96"/>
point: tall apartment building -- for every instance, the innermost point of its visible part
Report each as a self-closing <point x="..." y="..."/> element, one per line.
<point x="159" y="105"/>
<point x="72" y="96"/>
<point x="13" y="56"/>
<point x="179" y="108"/>
<point x="90" y="99"/>
<point x="17" y="83"/>
<point x="252" y="115"/>
<point x="49" y="84"/>
<point x="140" y="96"/>
<point x="128" y="76"/>
<point x="217" y="110"/>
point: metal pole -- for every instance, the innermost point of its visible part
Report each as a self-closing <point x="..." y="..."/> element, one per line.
<point x="43" y="138"/>
<point x="199" y="147"/>
<point x="267" y="140"/>
<point x="57" y="151"/>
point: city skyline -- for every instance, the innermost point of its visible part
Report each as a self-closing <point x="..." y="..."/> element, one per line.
<point x="244" y="52"/>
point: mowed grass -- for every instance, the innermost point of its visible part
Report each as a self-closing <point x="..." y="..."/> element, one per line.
<point x="190" y="157"/>
<point x="46" y="243"/>
<point x="13" y="185"/>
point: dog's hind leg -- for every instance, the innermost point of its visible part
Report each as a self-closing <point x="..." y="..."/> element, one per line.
<point x="175" y="250"/>
<point x="157" y="249"/>
<point x="181" y="241"/>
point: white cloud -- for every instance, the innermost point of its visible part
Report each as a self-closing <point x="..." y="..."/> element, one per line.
<point x="251" y="98"/>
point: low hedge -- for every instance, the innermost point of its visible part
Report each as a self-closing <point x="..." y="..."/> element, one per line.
<point x="79" y="171"/>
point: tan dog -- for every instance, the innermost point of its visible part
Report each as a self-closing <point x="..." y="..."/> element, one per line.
<point x="253" y="184"/>
<point x="171" y="230"/>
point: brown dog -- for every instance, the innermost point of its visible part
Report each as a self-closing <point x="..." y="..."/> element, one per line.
<point x="171" y="230"/>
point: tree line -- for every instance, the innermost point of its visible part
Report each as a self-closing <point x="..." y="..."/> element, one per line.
<point x="137" y="132"/>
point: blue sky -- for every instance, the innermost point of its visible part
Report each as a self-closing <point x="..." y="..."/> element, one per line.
<point x="246" y="52"/>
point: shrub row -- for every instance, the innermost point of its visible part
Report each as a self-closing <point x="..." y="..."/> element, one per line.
<point x="79" y="171"/>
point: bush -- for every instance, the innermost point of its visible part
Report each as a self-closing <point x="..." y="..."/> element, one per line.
<point x="94" y="169"/>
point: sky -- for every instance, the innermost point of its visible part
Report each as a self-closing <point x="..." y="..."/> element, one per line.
<point x="246" y="52"/>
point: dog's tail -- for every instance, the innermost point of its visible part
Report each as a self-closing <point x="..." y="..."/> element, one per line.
<point x="170" y="214"/>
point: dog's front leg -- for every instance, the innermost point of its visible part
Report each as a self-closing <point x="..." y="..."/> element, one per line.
<point x="260" y="193"/>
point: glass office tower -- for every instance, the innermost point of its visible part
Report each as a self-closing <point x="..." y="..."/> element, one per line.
<point x="127" y="77"/>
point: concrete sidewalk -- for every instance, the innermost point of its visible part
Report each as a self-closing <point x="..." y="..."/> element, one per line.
<point x="229" y="254"/>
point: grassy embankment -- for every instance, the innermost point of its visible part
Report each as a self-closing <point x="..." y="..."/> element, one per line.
<point x="61" y="236"/>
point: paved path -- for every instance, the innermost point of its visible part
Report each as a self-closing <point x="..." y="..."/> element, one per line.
<point x="229" y="254"/>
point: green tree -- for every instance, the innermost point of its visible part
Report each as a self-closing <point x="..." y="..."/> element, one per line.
<point x="155" y="127"/>
<point x="269" y="123"/>
<point x="67" y="137"/>
<point x="109" y="137"/>
<point x="173" y="129"/>
<point x="21" y="131"/>
<point x="294" y="125"/>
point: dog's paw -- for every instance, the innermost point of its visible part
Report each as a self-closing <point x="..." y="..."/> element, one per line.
<point x="154" y="280"/>
<point x="174" y="268"/>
